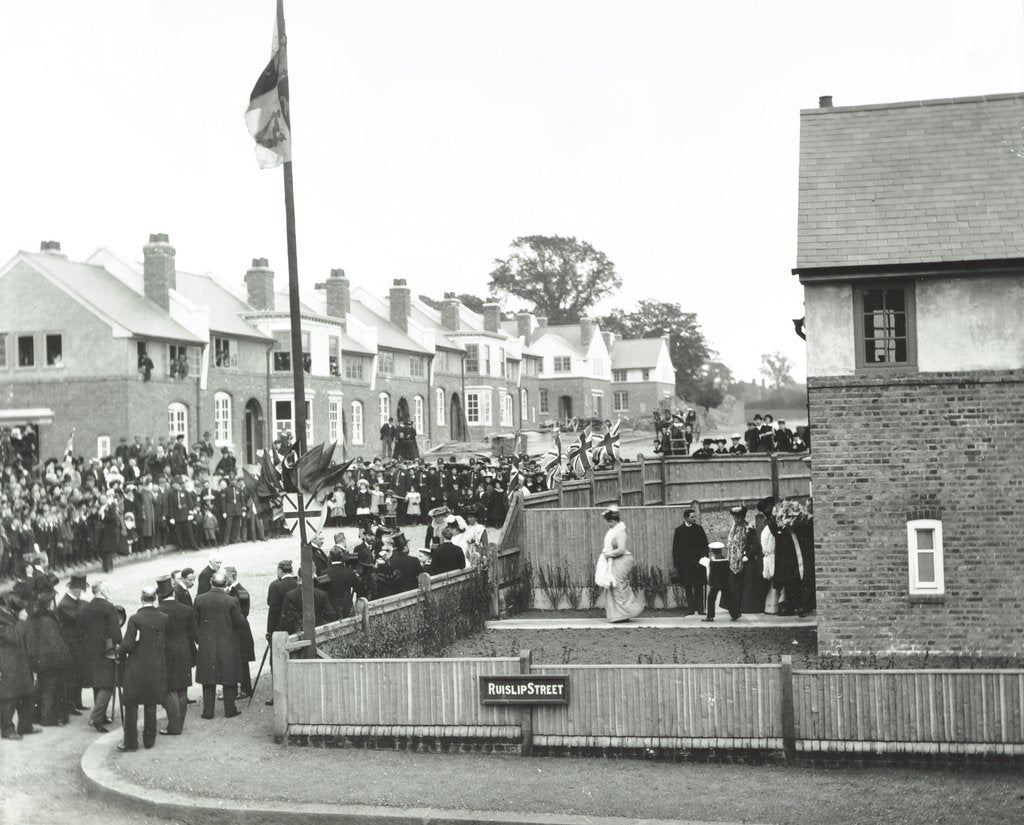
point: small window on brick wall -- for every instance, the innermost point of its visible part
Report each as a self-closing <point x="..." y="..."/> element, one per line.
<point x="924" y="547"/>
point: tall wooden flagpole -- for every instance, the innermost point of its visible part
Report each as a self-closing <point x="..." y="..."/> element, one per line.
<point x="298" y="365"/>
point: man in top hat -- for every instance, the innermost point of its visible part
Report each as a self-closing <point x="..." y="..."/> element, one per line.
<point x="278" y="589"/>
<point x="182" y="636"/>
<point x="245" y="641"/>
<point x="145" y="671"/>
<point x="408" y="568"/>
<point x="17" y="692"/>
<point x="323" y="611"/>
<point x="206" y="574"/>
<point x="205" y="447"/>
<point x="69" y="614"/>
<point x="101" y="634"/>
<point x="50" y="658"/>
<point x="689" y="546"/>
<point x="741" y="549"/>
<point x="339" y="579"/>
<point x="219" y="661"/>
<point x="719" y="578"/>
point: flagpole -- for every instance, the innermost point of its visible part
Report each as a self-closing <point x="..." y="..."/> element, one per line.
<point x="298" y="365"/>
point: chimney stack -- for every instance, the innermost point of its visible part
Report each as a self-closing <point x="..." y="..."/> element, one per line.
<point x="158" y="270"/>
<point x="609" y="340"/>
<point x="542" y="320"/>
<point x="401" y="304"/>
<point x="825" y="102"/>
<point x="339" y="294"/>
<point x="450" y="312"/>
<point x="586" y="331"/>
<point x="492" y="317"/>
<point x="524" y="326"/>
<point x="259" y="285"/>
<point x="52" y="247"/>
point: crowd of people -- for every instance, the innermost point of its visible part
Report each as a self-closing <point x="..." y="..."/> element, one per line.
<point x="675" y="433"/>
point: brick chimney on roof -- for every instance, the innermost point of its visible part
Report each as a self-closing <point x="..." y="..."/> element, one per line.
<point x="51" y="247"/>
<point x="524" y="325"/>
<point x="400" y="304"/>
<point x="339" y="294"/>
<point x="609" y="340"/>
<point x="450" y="312"/>
<point x="259" y="285"/>
<point x="159" y="275"/>
<point x="587" y="327"/>
<point x="492" y="317"/>
<point x="825" y="102"/>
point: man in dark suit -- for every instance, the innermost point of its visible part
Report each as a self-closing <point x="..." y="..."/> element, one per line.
<point x="101" y="634"/>
<point x="320" y="559"/>
<point x="182" y="635"/>
<point x="186" y="579"/>
<point x="407" y="567"/>
<point x="17" y="692"/>
<point x="339" y="581"/>
<point x="689" y="546"/>
<point x="278" y="589"/>
<point x="446" y="557"/>
<point x="206" y="574"/>
<point x="323" y="612"/>
<point x="219" y="661"/>
<point x="69" y="613"/>
<point x="179" y="516"/>
<point x="245" y="640"/>
<point x="145" y="671"/>
<point x="231" y="510"/>
<point x="110" y="531"/>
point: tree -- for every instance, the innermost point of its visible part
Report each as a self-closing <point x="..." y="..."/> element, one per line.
<point x="561" y="277"/>
<point x="687" y="347"/>
<point x="715" y="380"/>
<point x="778" y="369"/>
<point x="472" y="302"/>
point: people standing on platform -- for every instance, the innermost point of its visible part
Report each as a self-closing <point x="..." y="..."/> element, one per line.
<point x="101" y="634"/>
<point x="621" y="602"/>
<point x="739" y="545"/>
<point x="182" y="636"/>
<point x="387" y="438"/>
<point x="219" y="660"/>
<point x="689" y="546"/>
<point x="144" y="648"/>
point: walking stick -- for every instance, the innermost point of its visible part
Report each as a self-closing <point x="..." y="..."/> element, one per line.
<point x="259" y="673"/>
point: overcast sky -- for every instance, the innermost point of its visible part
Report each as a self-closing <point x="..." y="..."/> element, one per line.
<point x="429" y="134"/>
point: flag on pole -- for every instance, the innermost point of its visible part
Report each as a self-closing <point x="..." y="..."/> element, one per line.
<point x="68" y="450"/>
<point x="551" y="461"/>
<point x="608" y="445"/>
<point x="579" y="454"/>
<point x="269" y="479"/>
<point x="515" y="477"/>
<point x="268" y="118"/>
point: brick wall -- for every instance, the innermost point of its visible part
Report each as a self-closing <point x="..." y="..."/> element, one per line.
<point x="887" y="450"/>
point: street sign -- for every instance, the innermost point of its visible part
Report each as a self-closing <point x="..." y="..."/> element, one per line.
<point x="524" y="690"/>
<point x="315" y="513"/>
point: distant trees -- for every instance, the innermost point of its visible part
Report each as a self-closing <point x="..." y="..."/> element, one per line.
<point x="777" y="369"/>
<point x="473" y="302"/>
<point x="561" y="278"/>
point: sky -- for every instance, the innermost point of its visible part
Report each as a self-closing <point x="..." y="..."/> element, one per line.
<point x="428" y="135"/>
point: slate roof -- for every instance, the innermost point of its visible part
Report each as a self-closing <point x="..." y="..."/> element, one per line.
<point x="431" y="319"/>
<point x="388" y="335"/>
<point x="924" y="181"/>
<point x="108" y="297"/>
<point x="636" y="353"/>
<point x="569" y="333"/>
<point x="225" y="307"/>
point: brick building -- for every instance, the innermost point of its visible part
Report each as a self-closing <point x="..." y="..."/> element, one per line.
<point x="911" y="253"/>
<point x="643" y="378"/>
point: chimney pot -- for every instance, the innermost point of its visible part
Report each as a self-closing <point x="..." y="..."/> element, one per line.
<point x="400" y="304"/>
<point x="259" y="285"/>
<point x="492" y="317"/>
<point x="524" y="326"/>
<point x="337" y="273"/>
<point x="339" y="295"/>
<point x="542" y="320"/>
<point x="450" y="312"/>
<point x="825" y="102"/>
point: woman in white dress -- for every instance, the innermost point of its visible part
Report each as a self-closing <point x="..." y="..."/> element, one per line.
<point x="621" y="602"/>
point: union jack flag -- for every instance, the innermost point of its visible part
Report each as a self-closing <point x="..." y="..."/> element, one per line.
<point x="551" y="461"/>
<point x="607" y="445"/>
<point x="515" y="478"/>
<point x="579" y="454"/>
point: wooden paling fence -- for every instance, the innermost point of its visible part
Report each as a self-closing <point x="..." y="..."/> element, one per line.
<point x="661" y="708"/>
<point x="680" y="480"/>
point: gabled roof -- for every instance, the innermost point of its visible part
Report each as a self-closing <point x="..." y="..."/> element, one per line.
<point x="388" y="335"/>
<point x="431" y="319"/>
<point x="636" y="353"/>
<point x="281" y="305"/>
<point x="225" y="307"/>
<point x="110" y="299"/>
<point x="571" y="334"/>
<point x="918" y="182"/>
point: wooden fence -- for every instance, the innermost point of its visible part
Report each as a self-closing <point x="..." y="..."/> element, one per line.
<point x="668" y="481"/>
<point x="661" y="708"/>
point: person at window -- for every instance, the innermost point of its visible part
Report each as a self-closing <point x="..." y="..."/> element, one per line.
<point x="145" y="366"/>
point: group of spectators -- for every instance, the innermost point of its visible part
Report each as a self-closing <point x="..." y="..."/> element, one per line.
<point x="51" y="650"/>
<point x="145" y="496"/>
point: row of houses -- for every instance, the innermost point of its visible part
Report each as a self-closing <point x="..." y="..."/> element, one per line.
<point x="77" y="340"/>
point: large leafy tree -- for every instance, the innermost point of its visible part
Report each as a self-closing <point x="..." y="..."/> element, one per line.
<point x="778" y="369"/>
<point x="560" y="277"/>
<point x="688" y="348"/>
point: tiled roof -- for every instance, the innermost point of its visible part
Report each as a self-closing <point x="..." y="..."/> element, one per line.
<point x="109" y="297"/>
<point x="569" y="333"/>
<point x="431" y="319"/>
<point x="225" y="308"/>
<point x="636" y="353"/>
<point x="928" y="181"/>
<point x="388" y="335"/>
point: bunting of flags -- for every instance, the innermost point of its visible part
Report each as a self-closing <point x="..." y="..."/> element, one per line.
<point x="551" y="461"/>
<point x="579" y="454"/>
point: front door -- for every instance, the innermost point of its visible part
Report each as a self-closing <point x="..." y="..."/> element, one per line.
<point x="565" y="406"/>
<point x="253" y="430"/>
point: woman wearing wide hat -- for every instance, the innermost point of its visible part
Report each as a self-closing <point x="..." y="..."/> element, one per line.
<point x="621" y="602"/>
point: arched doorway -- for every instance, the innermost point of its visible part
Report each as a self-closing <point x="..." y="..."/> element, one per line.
<point x="402" y="412"/>
<point x="565" y="406"/>
<point x="456" y="420"/>
<point x="254" y="437"/>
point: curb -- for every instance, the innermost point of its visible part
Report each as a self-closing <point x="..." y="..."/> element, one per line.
<point x="103" y="781"/>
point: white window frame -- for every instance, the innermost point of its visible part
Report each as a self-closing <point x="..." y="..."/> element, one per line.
<point x="417" y="366"/>
<point x="334" y="351"/>
<point x="620" y="401"/>
<point x="334" y="433"/>
<point x="384" y="408"/>
<point x="357" y="422"/>
<point x="417" y="413"/>
<point x="505" y="409"/>
<point x="102" y="446"/>
<point x="46" y="350"/>
<point x="177" y="420"/>
<point x="524" y="404"/>
<point x="439" y="404"/>
<point x="221" y="419"/>
<point x="385" y="363"/>
<point x="564" y="359"/>
<point x="227" y="359"/>
<point x="479" y="402"/>
<point x="917" y="587"/>
<point x="486" y="413"/>
<point x="545" y="404"/>
<point x="278" y="429"/>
